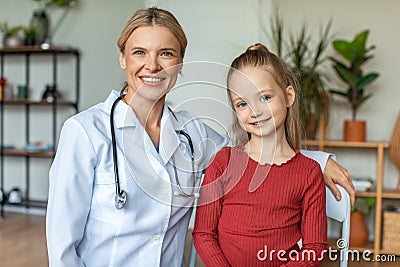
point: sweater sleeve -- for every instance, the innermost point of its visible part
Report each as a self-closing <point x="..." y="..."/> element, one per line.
<point x="205" y="233"/>
<point x="313" y="223"/>
<point x="319" y="156"/>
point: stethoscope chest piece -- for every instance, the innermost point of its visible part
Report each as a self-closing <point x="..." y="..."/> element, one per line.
<point x="120" y="200"/>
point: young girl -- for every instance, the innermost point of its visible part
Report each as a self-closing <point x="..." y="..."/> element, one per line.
<point x="260" y="198"/>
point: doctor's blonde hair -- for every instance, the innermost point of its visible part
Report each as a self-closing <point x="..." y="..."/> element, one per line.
<point x="153" y="16"/>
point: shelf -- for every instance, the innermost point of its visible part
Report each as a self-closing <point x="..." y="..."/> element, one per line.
<point x="37" y="50"/>
<point x="366" y="194"/>
<point x="391" y="193"/>
<point x="378" y="192"/>
<point x="20" y="152"/>
<point x="37" y="102"/>
<point x="334" y="143"/>
<point x="30" y="203"/>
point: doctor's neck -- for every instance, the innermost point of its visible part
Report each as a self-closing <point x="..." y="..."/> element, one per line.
<point x="149" y="113"/>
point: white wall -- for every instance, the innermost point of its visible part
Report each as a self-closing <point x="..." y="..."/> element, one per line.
<point x="380" y="111"/>
<point x="220" y="30"/>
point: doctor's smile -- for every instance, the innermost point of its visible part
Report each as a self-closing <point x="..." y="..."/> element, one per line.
<point x="151" y="80"/>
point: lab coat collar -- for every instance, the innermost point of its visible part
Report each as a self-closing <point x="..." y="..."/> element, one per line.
<point x="123" y="114"/>
<point x="170" y="124"/>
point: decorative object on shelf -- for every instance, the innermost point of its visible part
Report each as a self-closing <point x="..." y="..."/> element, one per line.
<point x="6" y="90"/>
<point x="355" y="54"/>
<point x="22" y="91"/>
<point x="3" y="83"/>
<point x="306" y="57"/>
<point x="51" y="93"/>
<point x="39" y="146"/>
<point x="362" y="184"/>
<point x="391" y="229"/>
<point x="394" y="149"/>
<point x="358" y="228"/>
<point x="7" y="146"/>
<point x="44" y="5"/>
<point x="3" y="196"/>
<point x="30" y="35"/>
<point x="40" y="22"/>
<point x="14" y="196"/>
<point x="12" y="35"/>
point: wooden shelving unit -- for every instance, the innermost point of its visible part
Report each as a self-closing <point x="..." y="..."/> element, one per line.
<point x="378" y="192"/>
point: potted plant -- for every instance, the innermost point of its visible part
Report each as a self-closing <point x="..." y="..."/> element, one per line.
<point x="354" y="55"/>
<point x="12" y="35"/>
<point x="30" y="35"/>
<point x="358" y="228"/>
<point x="59" y="3"/>
<point x="306" y="57"/>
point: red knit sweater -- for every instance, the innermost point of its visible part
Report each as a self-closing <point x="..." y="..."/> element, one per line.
<point x="248" y="212"/>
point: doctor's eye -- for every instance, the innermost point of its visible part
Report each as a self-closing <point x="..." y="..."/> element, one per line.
<point x="138" y="52"/>
<point x="167" y="54"/>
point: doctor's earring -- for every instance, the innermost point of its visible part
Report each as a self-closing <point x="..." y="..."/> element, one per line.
<point x="122" y="67"/>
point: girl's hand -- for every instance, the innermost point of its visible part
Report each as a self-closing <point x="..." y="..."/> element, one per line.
<point x="334" y="173"/>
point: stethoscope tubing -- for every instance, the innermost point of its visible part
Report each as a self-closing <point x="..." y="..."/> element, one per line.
<point x="120" y="195"/>
<point x="114" y="146"/>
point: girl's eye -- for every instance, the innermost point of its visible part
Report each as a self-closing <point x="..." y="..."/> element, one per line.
<point x="265" y="98"/>
<point x="138" y="52"/>
<point x="241" y="105"/>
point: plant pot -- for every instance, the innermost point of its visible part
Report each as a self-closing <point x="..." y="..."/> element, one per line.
<point x="354" y="131"/>
<point x="13" y="41"/>
<point x="358" y="229"/>
<point x="29" y="41"/>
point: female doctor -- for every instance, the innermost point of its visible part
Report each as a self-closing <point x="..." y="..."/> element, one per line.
<point x="123" y="182"/>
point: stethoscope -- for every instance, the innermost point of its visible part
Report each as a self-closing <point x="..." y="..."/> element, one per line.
<point x="120" y="195"/>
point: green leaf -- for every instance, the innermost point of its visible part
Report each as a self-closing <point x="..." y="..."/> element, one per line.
<point x="346" y="74"/>
<point x="369" y="78"/>
<point x="344" y="49"/>
<point x="338" y="92"/>
<point x="359" y="43"/>
<point x="361" y="100"/>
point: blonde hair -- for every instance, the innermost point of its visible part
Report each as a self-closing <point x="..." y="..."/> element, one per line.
<point x="152" y="16"/>
<point x="258" y="55"/>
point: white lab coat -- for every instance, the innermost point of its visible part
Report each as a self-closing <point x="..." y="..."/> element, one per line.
<point x="84" y="228"/>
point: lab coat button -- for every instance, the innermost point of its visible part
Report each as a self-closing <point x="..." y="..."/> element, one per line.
<point x="156" y="238"/>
